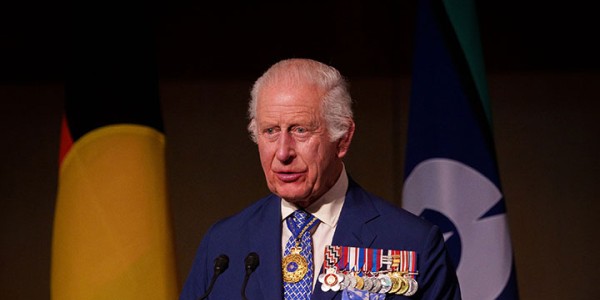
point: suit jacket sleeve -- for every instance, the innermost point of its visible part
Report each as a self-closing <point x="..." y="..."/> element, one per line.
<point x="438" y="277"/>
<point x="196" y="282"/>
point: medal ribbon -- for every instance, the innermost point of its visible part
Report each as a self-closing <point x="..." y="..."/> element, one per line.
<point x="355" y="259"/>
<point x="332" y="256"/>
<point x="370" y="260"/>
<point x="362" y="266"/>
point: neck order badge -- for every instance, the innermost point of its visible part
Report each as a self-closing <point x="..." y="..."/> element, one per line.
<point x="297" y="264"/>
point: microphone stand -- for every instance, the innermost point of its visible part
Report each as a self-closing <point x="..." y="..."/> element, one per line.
<point x="221" y="264"/>
<point x="251" y="264"/>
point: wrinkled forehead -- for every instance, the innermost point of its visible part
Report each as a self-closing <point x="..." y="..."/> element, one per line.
<point x="290" y="99"/>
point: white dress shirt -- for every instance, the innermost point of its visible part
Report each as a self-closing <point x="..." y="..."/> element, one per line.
<point x="327" y="209"/>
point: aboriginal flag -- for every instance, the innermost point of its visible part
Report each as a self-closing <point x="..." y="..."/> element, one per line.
<point x="452" y="175"/>
<point x="112" y="236"/>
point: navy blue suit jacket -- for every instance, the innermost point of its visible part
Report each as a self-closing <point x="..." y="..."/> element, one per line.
<point x="365" y="221"/>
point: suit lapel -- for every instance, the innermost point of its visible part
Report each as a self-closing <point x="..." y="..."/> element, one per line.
<point x="266" y="242"/>
<point x="352" y="229"/>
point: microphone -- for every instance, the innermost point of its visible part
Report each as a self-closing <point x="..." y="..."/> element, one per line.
<point x="251" y="262"/>
<point x="221" y="264"/>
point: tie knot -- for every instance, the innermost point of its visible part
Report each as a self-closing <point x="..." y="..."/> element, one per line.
<point x="301" y="221"/>
<point x="301" y="217"/>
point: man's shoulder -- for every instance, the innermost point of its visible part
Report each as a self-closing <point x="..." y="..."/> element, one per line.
<point x="388" y="211"/>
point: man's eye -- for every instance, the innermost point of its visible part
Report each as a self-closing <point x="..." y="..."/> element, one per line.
<point x="270" y="131"/>
<point x="301" y="132"/>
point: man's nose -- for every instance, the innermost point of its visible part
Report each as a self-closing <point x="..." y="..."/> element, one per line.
<point x="286" y="148"/>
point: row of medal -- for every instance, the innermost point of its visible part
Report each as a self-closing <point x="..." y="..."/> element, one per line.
<point x="383" y="283"/>
<point x="372" y="270"/>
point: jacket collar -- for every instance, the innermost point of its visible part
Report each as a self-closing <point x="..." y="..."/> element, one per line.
<point x="266" y="241"/>
<point x="352" y="228"/>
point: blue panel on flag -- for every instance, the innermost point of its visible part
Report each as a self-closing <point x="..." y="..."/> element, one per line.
<point x="451" y="172"/>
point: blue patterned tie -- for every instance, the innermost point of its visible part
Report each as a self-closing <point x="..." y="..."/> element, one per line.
<point x="300" y="222"/>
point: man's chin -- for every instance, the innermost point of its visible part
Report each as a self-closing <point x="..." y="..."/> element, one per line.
<point x="294" y="197"/>
<point x="303" y="203"/>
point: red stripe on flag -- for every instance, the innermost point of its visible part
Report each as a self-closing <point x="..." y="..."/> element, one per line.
<point x="66" y="141"/>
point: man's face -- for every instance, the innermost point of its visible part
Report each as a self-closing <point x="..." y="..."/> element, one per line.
<point x="299" y="160"/>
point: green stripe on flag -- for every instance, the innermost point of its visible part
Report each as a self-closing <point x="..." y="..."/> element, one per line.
<point x="463" y="16"/>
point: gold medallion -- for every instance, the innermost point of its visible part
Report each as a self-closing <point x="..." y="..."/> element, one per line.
<point x="360" y="283"/>
<point x="294" y="266"/>
<point x="396" y="284"/>
<point x="403" y="285"/>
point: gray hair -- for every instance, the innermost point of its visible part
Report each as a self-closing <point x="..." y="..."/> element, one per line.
<point x="336" y="104"/>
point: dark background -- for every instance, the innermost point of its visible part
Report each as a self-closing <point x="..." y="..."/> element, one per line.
<point x="543" y="74"/>
<point x="242" y="38"/>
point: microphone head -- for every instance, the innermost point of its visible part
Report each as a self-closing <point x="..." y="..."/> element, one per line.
<point x="251" y="262"/>
<point x="221" y="263"/>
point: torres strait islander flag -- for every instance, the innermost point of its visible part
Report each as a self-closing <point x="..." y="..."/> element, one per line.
<point x="112" y="236"/>
<point x="451" y="172"/>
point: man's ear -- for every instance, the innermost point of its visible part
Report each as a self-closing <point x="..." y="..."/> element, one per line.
<point x="345" y="140"/>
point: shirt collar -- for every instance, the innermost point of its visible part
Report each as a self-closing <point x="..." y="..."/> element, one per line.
<point x="327" y="208"/>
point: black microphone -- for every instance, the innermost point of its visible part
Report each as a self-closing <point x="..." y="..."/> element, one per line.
<point x="221" y="264"/>
<point x="251" y="262"/>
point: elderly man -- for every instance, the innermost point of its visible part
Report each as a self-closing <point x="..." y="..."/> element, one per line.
<point x="319" y="235"/>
